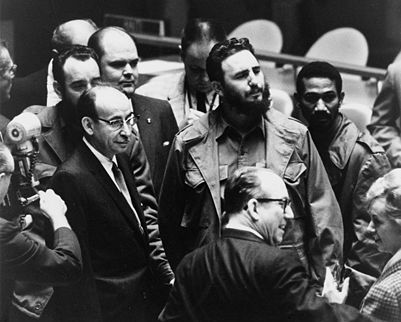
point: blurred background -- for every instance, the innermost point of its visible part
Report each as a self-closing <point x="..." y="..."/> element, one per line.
<point x="27" y="25"/>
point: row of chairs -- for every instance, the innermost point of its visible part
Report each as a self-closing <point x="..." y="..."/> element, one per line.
<point x="346" y="45"/>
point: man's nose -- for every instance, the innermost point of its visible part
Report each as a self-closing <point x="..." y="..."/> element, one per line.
<point x="128" y="70"/>
<point x="288" y="214"/>
<point x="320" y="105"/>
<point x="371" y="227"/>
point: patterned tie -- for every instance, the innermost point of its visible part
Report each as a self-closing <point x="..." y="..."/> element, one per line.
<point x="201" y="101"/>
<point x="118" y="175"/>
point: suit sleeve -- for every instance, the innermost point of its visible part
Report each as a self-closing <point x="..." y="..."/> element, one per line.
<point x="384" y="125"/>
<point x="365" y="256"/>
<point x="298" y="297"/>
<point x="81" y="296"/>
<point x="326" y="241"/>
<point x="171" y="202"/>
<point x="144" y="185"/>
<point x="25" y="258"/>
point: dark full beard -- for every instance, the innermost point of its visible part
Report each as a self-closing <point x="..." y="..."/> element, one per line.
<point x="248" y="108"/>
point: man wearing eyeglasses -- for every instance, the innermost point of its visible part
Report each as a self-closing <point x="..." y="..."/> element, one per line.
<point x="76" y="70"/>
<point x="105" y="211"/>
<point x="244" y="276"/>
<point x="353" y="160"/>
<point x="118" y="61"/>
<point x="245" y="131"/>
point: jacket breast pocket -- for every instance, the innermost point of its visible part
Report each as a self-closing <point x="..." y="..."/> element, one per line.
<point x="195" y="198"/>
<point x="294" y="178"/>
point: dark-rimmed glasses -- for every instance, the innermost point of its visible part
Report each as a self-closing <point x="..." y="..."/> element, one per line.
<point x="117" y="124"/>
<point x="284" y="202"/>
<point x="313" y="98"/>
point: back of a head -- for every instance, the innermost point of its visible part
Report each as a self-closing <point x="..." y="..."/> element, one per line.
<point x="72" y="32"/>
<point x="201" y="30"/>
<point x="247" y="183"/>
<point x="318" y="69"/>
<point x="221" y="51"/>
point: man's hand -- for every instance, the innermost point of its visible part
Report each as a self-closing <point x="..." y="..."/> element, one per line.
<point x="331" y="291"/>
<point x="54" y="208"/>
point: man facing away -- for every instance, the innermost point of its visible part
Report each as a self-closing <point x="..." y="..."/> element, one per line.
<point x="353" y="161"/>
<point x="244" y="131"/>
<point x="118" y="61"/>
<point x="105" y="211"/>
<point x="190" y="93"/>
<point x="244" y="276"/>
<point x="385" y="124"/>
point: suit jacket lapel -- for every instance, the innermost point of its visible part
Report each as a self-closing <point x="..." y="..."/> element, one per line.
<point x="109" y="186"/>
<point x="145" y="123"/>
<point x="131" y="185"/>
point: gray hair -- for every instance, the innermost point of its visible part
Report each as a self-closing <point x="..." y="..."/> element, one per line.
<point x="387" y="188"/>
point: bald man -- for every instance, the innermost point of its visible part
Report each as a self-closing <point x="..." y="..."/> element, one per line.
<point x="244" y="276"/>
<point x="118" y="60"/>
<point x="105" y="211"/>
<point x="37" y="88"/>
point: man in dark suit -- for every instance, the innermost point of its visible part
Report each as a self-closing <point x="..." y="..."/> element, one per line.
<point x="118" y="60"/>
<point x="105" y="211"/>
<point x="76" y="70"/>
<point x="244" y="276"/>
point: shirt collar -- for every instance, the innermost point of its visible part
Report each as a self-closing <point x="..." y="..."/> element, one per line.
<point x="222" y="126"/>
<point x="105" y="161"/>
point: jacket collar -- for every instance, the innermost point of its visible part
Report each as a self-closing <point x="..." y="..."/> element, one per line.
<point x="240" y="234"/>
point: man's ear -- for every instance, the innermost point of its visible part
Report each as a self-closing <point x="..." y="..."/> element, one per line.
<point x="252" y="209"/>
<point x="57" y="88"/>
<point x="87" y="125"/>
<point x="341" y="98"/>
<point x="217" y="88"/>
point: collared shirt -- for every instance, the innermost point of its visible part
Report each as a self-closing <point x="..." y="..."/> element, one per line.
<point x="236" y="151"/>
<point x="52" y="97"/>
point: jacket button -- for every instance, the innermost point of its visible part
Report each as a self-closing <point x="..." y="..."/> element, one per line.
<point x="38" y="306"/>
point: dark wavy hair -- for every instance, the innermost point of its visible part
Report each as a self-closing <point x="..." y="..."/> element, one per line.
<point x="220" y="52"/>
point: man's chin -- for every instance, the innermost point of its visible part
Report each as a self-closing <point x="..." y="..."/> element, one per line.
<point x="128" y="90"/>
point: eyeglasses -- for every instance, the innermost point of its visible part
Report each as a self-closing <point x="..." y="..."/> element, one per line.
<point x="118" y="124"/>
<point x="284" y="202"/>
<point x="313" y="98"/>
<point x="8" y="71"/>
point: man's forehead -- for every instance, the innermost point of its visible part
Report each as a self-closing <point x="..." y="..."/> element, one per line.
<point x="111" y="101"/>
<point x="77" y="67"/>
<point x="241" y="60"/>
<point x="5" y="58"/>
<point x="118" y="44"/>
<point x="316" y="83"/>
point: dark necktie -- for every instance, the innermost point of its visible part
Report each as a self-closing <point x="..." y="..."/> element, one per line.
<point x="201" y="101"/>
<point x="118" y="175"/>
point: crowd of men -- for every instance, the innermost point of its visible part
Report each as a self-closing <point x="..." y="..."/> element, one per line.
<point x="191" y="198"/>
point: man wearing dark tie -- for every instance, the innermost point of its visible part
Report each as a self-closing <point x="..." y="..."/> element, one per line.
<point x="106" y="214"/>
